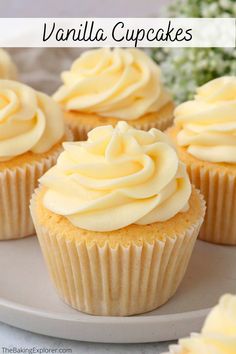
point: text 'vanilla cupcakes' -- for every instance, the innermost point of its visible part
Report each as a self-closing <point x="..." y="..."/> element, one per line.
<point x="31" y="133"/>
<point x="218" y="335"/>
<point x="104" y="86"/>
<point x="8" y="69"/>
<point x="205" y="135"/>
<point x="117" y="220"/>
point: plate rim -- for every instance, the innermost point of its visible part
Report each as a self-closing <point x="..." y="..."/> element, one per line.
<point x="117" y="320"/>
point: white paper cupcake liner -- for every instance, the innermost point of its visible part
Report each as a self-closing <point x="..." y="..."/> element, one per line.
<point x="16" y="187"/>
<point x="219" y="190"/>
<point x="117" y="281"/>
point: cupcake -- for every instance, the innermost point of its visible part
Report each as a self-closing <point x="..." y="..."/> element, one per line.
<point x="31" y="133"/>
<point x="7" y="67"/>
<point x="104" y="86"/>
<point x="205" y="135"/>
<point x="117" y="220"/>
<point x="218" y="335"/>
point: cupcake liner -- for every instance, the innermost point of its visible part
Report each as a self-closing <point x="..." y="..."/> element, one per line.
<point x="16" y="187"/>
<point x="219" y="190"/>
<point x="162" y="124"/>
<point x="218" y="187"/>
<point x="80" y="130"/>
<point x="116" y="281"/>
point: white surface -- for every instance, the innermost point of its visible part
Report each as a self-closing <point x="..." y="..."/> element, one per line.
<point x="13" y="337"/>
<point x="28" y="300"/>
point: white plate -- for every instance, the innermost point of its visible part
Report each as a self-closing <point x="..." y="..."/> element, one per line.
<point x="29" y="301"/>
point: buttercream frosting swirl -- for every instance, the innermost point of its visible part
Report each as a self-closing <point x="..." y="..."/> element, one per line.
<point x="7" y="67"/>
<point x="118" y="177"/>
<point x="121" y="83"/>
<point x="219" y="331"/>
<point x="29" y="120"/>
<point x="208" y="123"/>
<point x="222" y="318"/>
<point x="218" y="335"/>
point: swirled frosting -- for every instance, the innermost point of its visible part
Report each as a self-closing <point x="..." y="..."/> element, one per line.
<point x="118" y="177"/>
<point x="218" y="335"/>
<point x="7" y="67"/>
<point x="208" y="123"/>
<point x="29" y="120"/>
<point x="120" y="83"/>
<point x="222" y="319"/>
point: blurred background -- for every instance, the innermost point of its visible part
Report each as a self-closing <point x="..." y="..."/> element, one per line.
<point x="81" y="8"/>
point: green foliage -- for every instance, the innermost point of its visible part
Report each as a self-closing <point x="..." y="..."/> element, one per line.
<point x="184" y="69"/>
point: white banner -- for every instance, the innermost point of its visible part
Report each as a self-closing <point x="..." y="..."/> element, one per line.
<point x="117" y="32"/>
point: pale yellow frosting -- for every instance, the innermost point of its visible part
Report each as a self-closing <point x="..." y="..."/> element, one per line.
<point x="218" y="335"/>
<point x="29" y="120"/>
<point x="7" y="67"/>
<point x="222" y="319"/>
<point x="208" y="123"/>
<point x="120" y="83"/>
<point x="118" y="177"/>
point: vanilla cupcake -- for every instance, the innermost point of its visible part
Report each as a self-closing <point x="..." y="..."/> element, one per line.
<point x="218" y="335"/>
<point x="205" y="135"/>
<point x="104" y="86"/>
<point x="117" y="220"/>
<point x="31" y="133"/>
<point x="7" y="67"/>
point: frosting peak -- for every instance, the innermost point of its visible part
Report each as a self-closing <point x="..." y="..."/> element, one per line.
<point x="208" y="123"/>
<point x="119" y="83"/>
<point x="118" y="177"/>
<point x="29" y="120"/>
